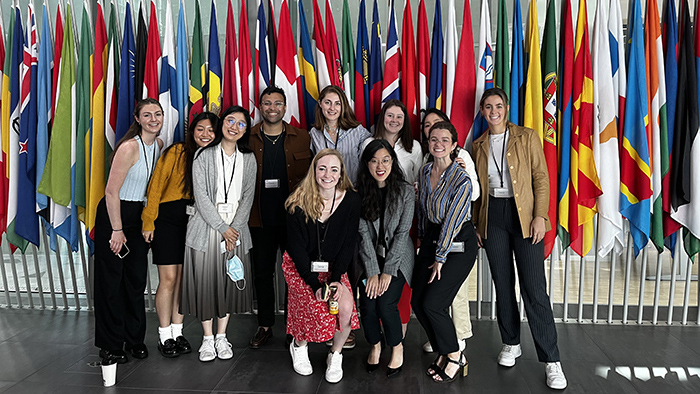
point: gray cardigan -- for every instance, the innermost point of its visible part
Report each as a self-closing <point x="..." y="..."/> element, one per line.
<point x="400" y="251"/>
<point x="204" y="188"/>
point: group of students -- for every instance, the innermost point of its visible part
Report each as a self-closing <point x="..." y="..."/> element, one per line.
<point x="338" y="202"/>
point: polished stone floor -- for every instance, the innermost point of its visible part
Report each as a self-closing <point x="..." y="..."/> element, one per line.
<point x="51" y="351"/>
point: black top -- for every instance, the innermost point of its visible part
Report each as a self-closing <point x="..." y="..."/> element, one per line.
<point x="338" y="247"/>
<point x="273" y="167"/>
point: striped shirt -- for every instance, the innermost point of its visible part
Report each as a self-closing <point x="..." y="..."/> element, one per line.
<point x="449" y="204"/>
<point x="348" y="144"/>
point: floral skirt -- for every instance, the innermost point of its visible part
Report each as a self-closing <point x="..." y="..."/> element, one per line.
<point x="308" y="319"/>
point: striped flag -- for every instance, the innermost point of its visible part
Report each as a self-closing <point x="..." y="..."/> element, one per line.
<point x="585" y="185"/>
<point x="287" y="65"/>
<point x="362" y="70"/>
<point x="517" y="69"/>
<point x="408" y="70"/>
<point x="605" y="142"/>
<point x="656" y="98"/>
<point x="320" y="49"/>
<point x="44" y="108"/>
<point x="465" y="83"/>
<point x="670" y="39"/>
<point x="4" y="124"/>
<point x="435" y="93"/>
<point x="335" y="66"/>
<point x="376" y="59"/>
<point x="213" y="86"/>
<point x="450" y="58"/>
<point x="95" y="140"/>
<point x="262" y="54"/>
<point x="168" y="78"/>
<point x="617" y="60"/>
<point x="392" y="64"/>
<point x="348" y="57"/>
<point x="127" y="90"/>
<point x="502" y="60"/>
<point x="151" y="71"/>
<point x="484" y="73"/>
<point x="85" y="60"/>
<point x="549" y="144"/>
<point x="198" y="67"/>
<point x="245" y="65"/>
<point x="566" y="73"/>
<point x="111" y="84"/>
<point x="635" y="170"/>
<point x="230" y="83"/>
<point x="423" y="57"/>
<point x="27" y="221"/>
<point x="182" y="78"/>
<point x="307" y="68"/>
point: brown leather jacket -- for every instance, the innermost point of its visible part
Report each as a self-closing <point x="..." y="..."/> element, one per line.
<point x="528" y="172"/>
<point x="298" y="155"/>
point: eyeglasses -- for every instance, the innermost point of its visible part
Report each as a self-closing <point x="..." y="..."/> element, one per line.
<point x="385" y="162"/>
<point x="235" y="122"/>
<point x="276" y="104"/>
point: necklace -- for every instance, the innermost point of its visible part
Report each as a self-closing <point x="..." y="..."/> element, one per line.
<point x="271" y="140"/>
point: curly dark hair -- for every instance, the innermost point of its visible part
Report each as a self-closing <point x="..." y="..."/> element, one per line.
<point x="367" y="186"/>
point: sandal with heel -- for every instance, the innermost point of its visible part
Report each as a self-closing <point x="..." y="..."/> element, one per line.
<point x="433" y="368"/>
<point x="444" y="378"/>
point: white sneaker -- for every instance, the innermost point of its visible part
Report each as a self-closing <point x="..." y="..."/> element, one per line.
<point x="555" y="376"/>
<point x="224" y="349"/>
<point x="428" y="347"/>
<point x="300" y="359"/>
<point x="508" y="355"/>
<point x="334" y="372"/>
<point x="207" y="352"/>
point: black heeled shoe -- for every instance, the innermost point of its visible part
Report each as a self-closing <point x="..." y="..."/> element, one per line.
<point x="371" y="368"/>
<point x="392" y="372"/>
<point x="444" y="377"/>
<point x="433" y="368"/>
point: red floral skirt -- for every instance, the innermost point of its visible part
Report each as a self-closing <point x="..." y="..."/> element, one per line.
<point x="308" y="319"/>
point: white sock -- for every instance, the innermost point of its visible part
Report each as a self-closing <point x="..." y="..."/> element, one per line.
<point x="208" y="337"/>
<point x="220" y="336"/>
<point x="177" y="330"/>
<point x="165" y="333"/>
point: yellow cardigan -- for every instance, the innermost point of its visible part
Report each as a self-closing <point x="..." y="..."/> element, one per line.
<point x="165" y="185"/>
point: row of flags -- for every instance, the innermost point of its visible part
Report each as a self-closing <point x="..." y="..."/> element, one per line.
<point x="619" y="137"/>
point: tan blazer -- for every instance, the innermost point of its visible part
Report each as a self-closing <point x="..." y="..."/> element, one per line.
<point x="528" y="172"/>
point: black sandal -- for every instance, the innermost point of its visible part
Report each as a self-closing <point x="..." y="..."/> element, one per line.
<point x="444" y="378"/>
<point x="434" y="367"/>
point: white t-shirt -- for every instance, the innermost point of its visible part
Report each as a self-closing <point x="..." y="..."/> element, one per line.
<point x="498" y="144"/>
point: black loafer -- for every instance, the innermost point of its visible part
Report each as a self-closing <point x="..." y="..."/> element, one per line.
<point x="168" y="348"/>
<point x="117" y="355"/>
<point x="183" y="346"/>
<point x="260" y="338"/>
<point x="139" y="351"/>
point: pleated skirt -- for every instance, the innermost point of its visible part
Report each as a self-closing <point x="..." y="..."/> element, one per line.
<point x="207" y="291"/>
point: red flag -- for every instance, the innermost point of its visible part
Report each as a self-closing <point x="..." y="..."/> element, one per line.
<point x="58" y="47"/>
<point x="321" y="51"/>
<point x="287" y="74"/>
<point x="151" y="72"/>
<point x="229" y="94"/>
<point x="465" y="80"/>
<point x="335" y="67"/>
<point x="245" y="63"/>
<point x="423" y="58"/>
<point x="408" y="70"/>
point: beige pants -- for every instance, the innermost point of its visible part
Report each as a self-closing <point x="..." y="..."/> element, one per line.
<point x="460" y="312"/>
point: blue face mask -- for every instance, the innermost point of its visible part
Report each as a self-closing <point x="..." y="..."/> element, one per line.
<point x="234" y="270"/>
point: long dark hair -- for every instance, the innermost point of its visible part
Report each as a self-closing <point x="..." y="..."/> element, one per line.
<point x="405" y="132"/>
<point x="243" y="143"/>
<point x="135" y="128"/>
<point x="500" y="93"/>
<point x="346" y="120"/>
<point x="190" y="147"/>
<point x="367" y="186"/>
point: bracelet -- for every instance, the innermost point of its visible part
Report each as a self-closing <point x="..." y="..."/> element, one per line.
<point x="116" y="229"/>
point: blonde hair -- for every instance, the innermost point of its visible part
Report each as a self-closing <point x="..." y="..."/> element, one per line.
<point x="307" y="196"/>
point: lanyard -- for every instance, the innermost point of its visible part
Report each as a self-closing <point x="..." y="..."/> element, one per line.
<point x="149" y="173"/>
<point x="223" y="175"/>
<point x="500" y="169"/>
<point x="337" y="138"/>
<point x="325" y="232"/>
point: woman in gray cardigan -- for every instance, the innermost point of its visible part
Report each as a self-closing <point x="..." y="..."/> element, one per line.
<point x="223" y="177"/>
<point x="386" y="249"/>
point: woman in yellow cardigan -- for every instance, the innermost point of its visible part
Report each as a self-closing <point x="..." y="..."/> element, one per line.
<point x="165" y="218"/>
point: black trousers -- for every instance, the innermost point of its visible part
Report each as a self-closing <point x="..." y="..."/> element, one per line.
<point x="505" y="238"/>
<point x="430" y="302"/>
<point x="266" y="242"/>
<point x="120" y="310"/>
<point x="384" y="309"/>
